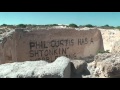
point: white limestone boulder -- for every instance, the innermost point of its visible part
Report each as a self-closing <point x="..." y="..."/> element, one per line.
<point x="60" y="68"/>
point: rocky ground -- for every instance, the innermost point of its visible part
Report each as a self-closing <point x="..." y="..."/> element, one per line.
<point x="103" y="65"/>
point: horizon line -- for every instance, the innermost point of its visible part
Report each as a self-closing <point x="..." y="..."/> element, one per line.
<point x="58" y="24"/>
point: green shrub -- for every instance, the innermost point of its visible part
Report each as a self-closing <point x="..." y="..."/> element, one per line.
<point x="118" y="27"/>
<point x="73" y="25"/>
<point x="55" y="25"/>
<point x="107" y="27"/>
<point x="22" y="25"/>
<point x="89" y="25"/>
<point x="4" y="25"/>
<point x="107" y="51"/>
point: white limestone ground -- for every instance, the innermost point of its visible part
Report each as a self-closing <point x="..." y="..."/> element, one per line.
<point x="37" y="69"/>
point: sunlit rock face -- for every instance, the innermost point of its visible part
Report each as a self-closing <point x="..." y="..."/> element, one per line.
<point x="48" y="44"/>
<point x="110" y="36"/>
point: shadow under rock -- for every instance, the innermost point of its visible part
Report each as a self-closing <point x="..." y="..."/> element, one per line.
<point x="78" y="75"/>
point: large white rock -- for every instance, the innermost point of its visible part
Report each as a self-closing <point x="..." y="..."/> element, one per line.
<point x="60" y="68"/>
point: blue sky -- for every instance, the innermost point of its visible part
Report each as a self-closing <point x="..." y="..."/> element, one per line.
<point x="79" y="18"/>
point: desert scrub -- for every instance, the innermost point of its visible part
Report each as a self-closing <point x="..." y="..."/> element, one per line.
<point x="107" y="51"/>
